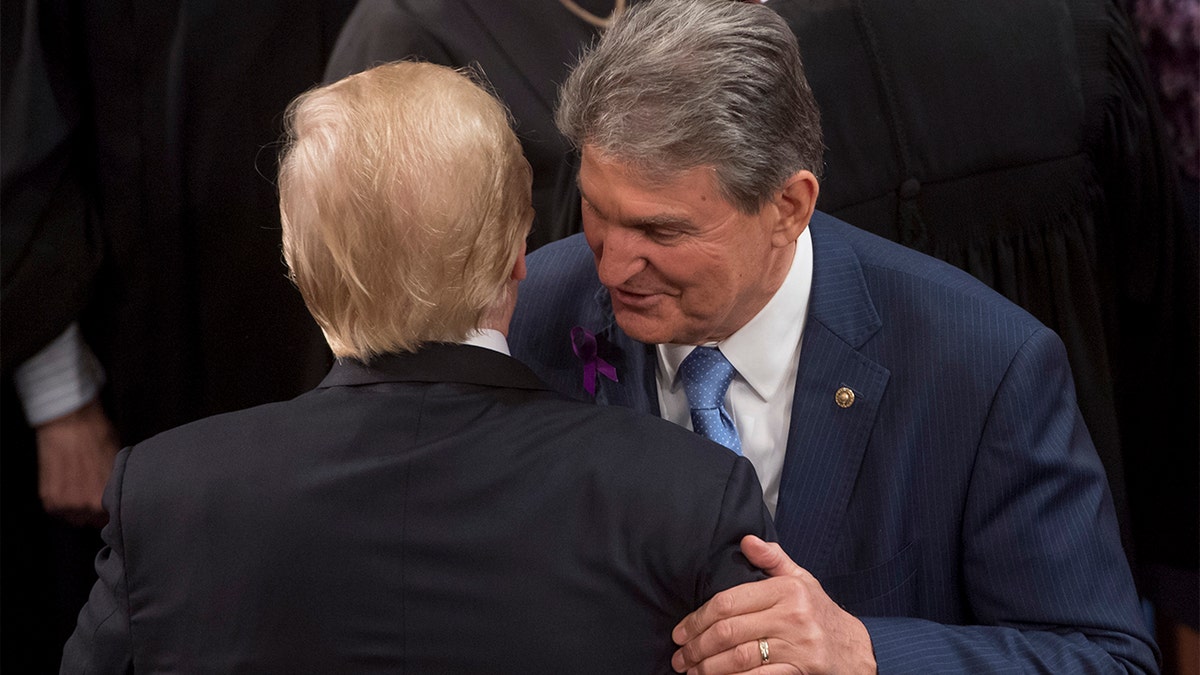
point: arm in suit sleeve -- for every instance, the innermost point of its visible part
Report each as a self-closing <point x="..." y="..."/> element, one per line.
<point x="102" y="642"/>
<point x="49" y="246"/>
<point x="49" y="256"/>
<point x="742" y="512"/>
<point x="1045" y="576"/>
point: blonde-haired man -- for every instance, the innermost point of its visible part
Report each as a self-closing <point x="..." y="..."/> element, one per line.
<point x="404" y="216"/>
<point x="432" y="506"/>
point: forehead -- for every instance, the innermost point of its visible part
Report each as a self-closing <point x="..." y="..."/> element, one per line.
<point x="610" y="182"/>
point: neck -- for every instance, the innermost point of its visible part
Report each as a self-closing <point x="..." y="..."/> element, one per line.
<point x="777" y="269"/>
<point x="499" y="315"/>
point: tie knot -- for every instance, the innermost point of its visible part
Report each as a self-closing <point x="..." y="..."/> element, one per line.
<point x="706" y="376"/>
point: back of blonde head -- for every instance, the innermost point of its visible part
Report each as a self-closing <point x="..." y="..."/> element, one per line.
<point x="405" y="200"/>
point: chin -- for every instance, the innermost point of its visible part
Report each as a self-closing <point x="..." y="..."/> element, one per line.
<point x="647" y="329"/>
<point x="641" y="328"/>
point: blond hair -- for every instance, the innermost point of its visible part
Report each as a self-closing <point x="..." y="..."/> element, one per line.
<point x="404" y="200"/>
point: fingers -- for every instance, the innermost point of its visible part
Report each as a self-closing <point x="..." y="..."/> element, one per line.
<point x="735" y="641"/>
<point x="75" y="455"/>
<point x="742" y="658"/>
<point x="73" y="494"/>
<point x="769" y="557"/>
<point x="805" y="630"/>
<point x="744" y="599"/>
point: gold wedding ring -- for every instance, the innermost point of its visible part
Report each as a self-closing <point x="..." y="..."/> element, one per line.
<point x="764" y="651"/>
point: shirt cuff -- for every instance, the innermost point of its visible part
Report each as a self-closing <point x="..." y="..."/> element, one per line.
<point x="60" y="379"/>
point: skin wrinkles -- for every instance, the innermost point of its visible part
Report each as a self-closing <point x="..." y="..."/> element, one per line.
<point x="681" y="263"/>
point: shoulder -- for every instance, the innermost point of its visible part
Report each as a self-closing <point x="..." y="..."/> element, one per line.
<point x="897" y="275"/>
<point x="212" y="448"/>
<point x="631" y="447"/>
<point x="923" y="311"/>
<point x="623" y="436"/>
<point x="646" y="464"/>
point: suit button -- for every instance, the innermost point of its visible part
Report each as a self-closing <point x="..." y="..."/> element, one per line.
<point x="844" y="397"/>
<point x="910" y="188"/>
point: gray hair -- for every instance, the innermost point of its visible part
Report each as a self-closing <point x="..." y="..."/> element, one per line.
<point x="679" y="84"/>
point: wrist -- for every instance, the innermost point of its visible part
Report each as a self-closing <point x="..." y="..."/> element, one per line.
<point x="862" y="650"/>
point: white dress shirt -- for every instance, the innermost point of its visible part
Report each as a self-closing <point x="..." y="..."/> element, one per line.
<point x="61" y="378"/>
<point x="765" y="352"/>
<point x="488" y="338"/>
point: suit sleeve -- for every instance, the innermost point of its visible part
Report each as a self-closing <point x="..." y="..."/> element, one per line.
<point x="742" y="512"/>
<point x="49" y="246"/>
<point x="1045" y="576"/>
<point x="102" y="642"/>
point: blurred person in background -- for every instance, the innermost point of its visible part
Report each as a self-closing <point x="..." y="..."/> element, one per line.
<point x="142" y="286"/>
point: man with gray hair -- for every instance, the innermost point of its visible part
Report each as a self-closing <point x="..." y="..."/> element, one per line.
<point x="939" y="503"/>
<point x="432" y="507"/>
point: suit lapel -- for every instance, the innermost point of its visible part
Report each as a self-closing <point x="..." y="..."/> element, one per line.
<point x="826" y="442"/>
<point x="634" y="361"/>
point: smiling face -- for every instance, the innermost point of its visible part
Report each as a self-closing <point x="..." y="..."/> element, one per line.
<point x="681" y="263"/>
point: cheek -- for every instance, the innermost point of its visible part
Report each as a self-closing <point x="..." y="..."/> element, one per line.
<point x="702" y="282"/>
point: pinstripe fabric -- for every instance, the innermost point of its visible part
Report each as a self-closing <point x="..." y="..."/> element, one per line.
<point x="59" y="379"/>
<point x="957" y="506"/>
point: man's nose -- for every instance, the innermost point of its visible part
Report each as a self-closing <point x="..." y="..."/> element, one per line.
<point x="619" y="256"/>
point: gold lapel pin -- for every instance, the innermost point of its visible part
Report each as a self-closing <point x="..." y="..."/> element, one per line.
<point x="844" y="397"/>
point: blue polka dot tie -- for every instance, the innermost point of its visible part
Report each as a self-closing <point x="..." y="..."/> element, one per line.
<point x="706" y="376"/>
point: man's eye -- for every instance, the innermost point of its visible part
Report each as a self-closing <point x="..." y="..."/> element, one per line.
<point x="664" y="234"/>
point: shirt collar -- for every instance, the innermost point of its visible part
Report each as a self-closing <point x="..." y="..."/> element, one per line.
<point x="761" y="350"/>
<point x="488" y="338"/>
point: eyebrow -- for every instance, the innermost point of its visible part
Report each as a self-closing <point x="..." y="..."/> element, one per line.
<point x="648" y="222"/>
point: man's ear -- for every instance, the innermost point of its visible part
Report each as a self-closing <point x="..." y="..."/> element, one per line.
<point x="795" y="204"/>
<point x="499" y="315"/>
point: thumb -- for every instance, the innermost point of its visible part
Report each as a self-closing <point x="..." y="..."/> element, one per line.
<point x="769" y="557"/>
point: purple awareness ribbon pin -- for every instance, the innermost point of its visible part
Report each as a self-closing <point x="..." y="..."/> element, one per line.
<point x="584" y="345"/>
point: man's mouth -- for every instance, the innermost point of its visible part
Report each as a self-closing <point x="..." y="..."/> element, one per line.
<point x="635" y="298"/>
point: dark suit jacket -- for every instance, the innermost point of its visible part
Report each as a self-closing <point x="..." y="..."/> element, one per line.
<point x="437" y="512"/>
<point x="959" y="489"/>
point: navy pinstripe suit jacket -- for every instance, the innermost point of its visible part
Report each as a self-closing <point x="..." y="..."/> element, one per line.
<point x="958" y="507"/>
